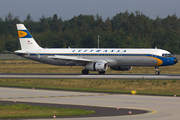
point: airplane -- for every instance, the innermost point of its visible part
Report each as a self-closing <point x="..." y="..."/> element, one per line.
<point x="93" y="59"/>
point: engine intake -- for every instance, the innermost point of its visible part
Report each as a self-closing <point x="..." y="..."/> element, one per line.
<point x="121" y="68"/>
<point x="97" y="66"/>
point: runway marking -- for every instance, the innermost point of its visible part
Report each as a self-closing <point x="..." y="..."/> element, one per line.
<point x="57" y="96"/>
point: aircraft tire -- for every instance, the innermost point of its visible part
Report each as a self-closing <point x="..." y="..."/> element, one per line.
<point x="101" y="72"/>
<point x="157" y="73"/>
<point x="85" y="72"/>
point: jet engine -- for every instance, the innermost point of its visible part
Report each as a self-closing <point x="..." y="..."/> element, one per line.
<point x="97" y="66"/>
<point x="121" y="68"/>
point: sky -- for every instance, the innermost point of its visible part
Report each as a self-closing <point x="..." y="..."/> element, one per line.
<point x="67" y="9"/>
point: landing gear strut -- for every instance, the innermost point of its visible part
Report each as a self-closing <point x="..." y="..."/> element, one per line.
<point x="85" y="72"/>
<point x="157" y="70"/>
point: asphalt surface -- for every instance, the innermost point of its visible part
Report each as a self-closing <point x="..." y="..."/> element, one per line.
<point x="99" y="111"/>
<point x="90" y="76"/>
<point x="158" y="107"/>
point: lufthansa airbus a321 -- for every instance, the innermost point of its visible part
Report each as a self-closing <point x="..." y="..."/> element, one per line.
<point x="93" y="59"/>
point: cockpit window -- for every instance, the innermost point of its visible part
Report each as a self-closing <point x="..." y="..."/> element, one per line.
<point x="166" y="54"/>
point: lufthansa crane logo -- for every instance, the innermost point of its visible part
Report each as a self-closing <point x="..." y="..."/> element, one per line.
<point x="22" y="34"/>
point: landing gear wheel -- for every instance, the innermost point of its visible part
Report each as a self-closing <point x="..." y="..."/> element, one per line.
<point x="85" y="72"/>
<point x="101" y="72"/>
<point x="157" y="72"/>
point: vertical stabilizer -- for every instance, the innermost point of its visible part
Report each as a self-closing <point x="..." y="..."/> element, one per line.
<point x="25" y="38"/>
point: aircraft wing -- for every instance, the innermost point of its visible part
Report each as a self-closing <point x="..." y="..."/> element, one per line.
<point x="80" y="60"/>
<point x="70" y="58"/>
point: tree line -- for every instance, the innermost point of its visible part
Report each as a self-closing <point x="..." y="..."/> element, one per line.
<point x="124" y="30"/>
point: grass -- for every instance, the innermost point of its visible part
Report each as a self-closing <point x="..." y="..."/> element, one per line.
<point x="154" y="87"/>
<point x="143" y="86"/>
<point x="23" y="110"/>
<point x="29" y="66"/>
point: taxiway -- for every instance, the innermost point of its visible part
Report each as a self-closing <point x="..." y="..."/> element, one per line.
<point x="159" y="107"/>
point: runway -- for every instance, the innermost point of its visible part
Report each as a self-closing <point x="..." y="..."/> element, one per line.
<point x="158" y="107"/>
<point x="90" y="76"/>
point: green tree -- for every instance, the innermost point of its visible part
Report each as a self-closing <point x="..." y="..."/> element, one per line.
<point x="55" y="23"/>
<point x="108" y="25"/>
<point x="28" y="19"/>
<point x="44" y="24"/>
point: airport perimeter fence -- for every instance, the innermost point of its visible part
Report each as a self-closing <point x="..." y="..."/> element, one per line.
<point x="9" y="56"/>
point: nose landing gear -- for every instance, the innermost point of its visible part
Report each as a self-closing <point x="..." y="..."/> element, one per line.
<point x="157" y="70"/>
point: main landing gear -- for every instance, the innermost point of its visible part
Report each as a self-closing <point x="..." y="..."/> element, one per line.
<point x="101" y="72"/>
<point x="157" y="70"/>
<point x="85" y="72"/>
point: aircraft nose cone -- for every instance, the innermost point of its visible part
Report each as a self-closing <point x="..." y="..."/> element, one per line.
<point x="175" y="60"/>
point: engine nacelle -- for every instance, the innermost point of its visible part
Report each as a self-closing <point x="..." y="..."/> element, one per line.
<point x="121" y="68"/>
<point x="97" y="66"/>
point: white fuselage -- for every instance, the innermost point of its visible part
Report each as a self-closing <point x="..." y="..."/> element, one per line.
<point x="121" y="57"/>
